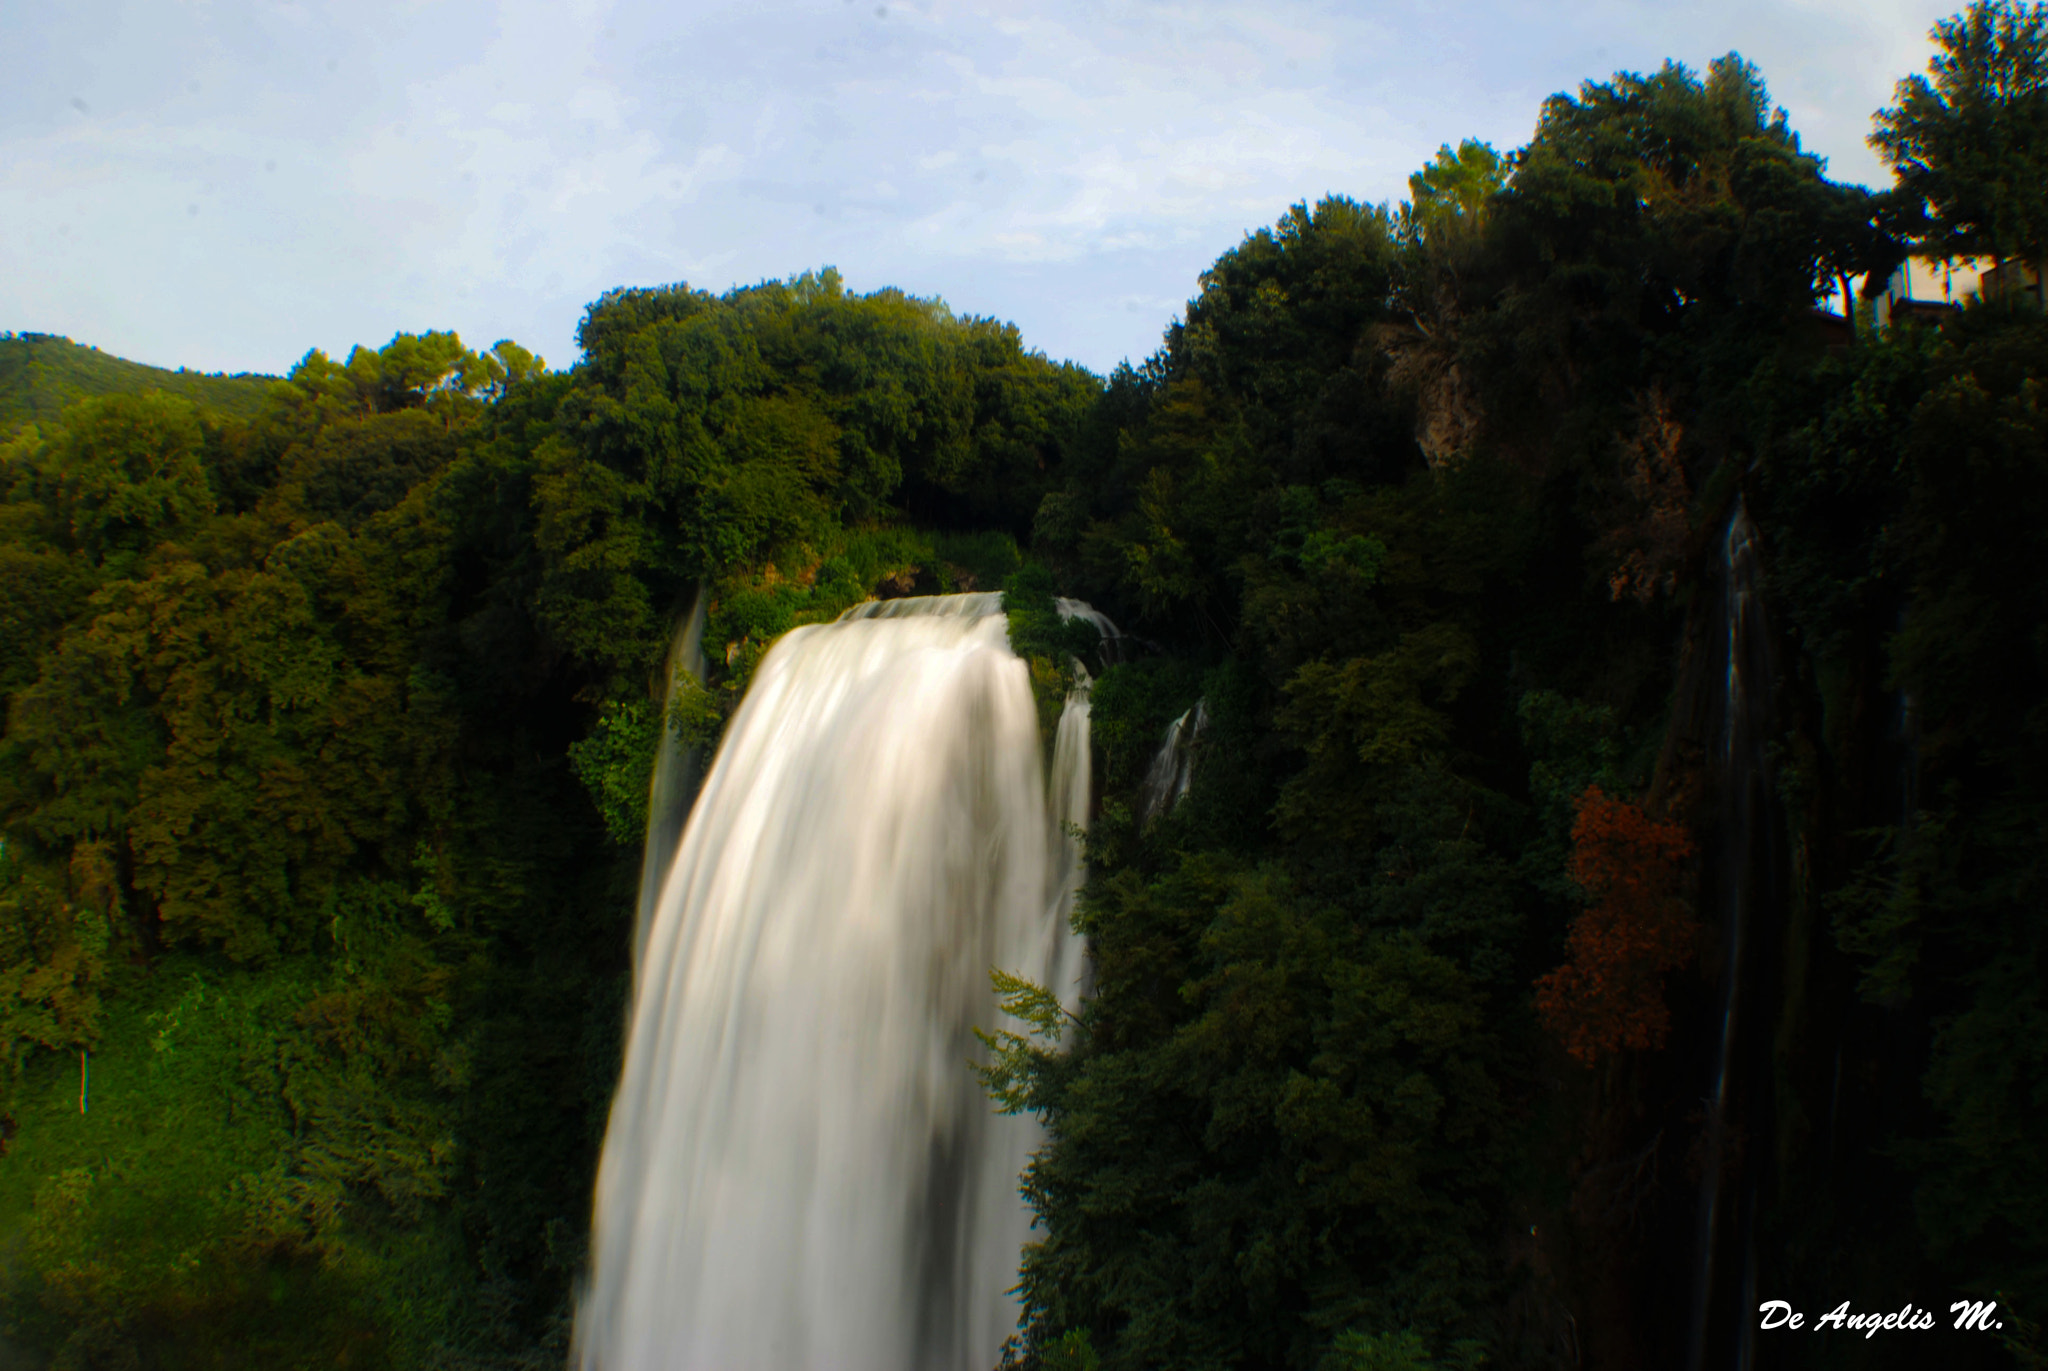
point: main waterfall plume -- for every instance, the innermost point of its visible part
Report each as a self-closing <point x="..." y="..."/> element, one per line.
<point x="800" y="1170"/>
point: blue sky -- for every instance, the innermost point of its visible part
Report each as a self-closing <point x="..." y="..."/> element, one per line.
<point x="225" y="185"/>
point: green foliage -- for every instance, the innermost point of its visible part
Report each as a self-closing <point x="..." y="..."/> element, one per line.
<point x="979" y="561"/>
<point x="705" y="433"/>
<point x="1384" y="709"/>
<point x="1049" y="644"/>
<point x="616" y="764"/>
<point x="1358" y="1351"/>
<point x="696" y="715"/>
<point x="41" y="375"/>
<point x="1432" y="492"/>
<point x="1015" y="1061"/>
<point x="1660" y="236"/>
<point x="1130" y="708"/>
<point x="59" y="932"/>
<point x="1265" y="378"/>
<point x="254" y="711"/>
<point x="1452" y="194"/>
<point x="253" y="1173"/>
<point x="1036" y="628"/>
<point x="116" y="476"/>
<point x="1897" y="495"/>
<point x="1313" y="1108"/>
<point x="1970" y="143"/>
<point x="1073" y="1352"/>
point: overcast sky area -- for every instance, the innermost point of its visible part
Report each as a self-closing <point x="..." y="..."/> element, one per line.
<point x="225" y="185"/>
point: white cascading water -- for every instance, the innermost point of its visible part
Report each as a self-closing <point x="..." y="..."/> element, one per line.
<point x="1112" y="638"/>
<point x="676" y="772"/>
<point x="801" y="1171"/>
<point x="1173" y="765"/>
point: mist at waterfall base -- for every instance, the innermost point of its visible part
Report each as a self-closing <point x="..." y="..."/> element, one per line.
<point x="800" y="1169"/>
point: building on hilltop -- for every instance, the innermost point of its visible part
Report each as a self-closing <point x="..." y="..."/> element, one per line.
<point x="1930" y="289"/>
<point x="1926" y="290"/>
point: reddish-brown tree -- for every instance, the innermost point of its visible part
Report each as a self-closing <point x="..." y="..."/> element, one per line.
<point x="1637" y="927"/>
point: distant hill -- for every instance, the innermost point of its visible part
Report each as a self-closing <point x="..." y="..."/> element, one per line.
<point x="41" y="373"/>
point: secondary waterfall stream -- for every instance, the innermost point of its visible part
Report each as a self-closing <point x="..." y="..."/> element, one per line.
<point x="800" y="1169"/>
<point x="1724" y="1267"/>
<point x="677" y="769"/>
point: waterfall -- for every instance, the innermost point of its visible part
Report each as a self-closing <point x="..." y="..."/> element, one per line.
<point x="1173" y="766"/>
<point x="1745" y="880"/>
<point x="677" y="770"/>
<point x="1112" y="637"/>
<point x="800" y="1170"/>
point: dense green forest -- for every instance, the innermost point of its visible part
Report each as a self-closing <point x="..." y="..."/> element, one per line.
<point x="41" y="374"/>
<point x="1610" y="893"/>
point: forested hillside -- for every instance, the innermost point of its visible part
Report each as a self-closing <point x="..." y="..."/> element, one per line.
<point x="1608" y="895"/>
<point x="41" y="374"/>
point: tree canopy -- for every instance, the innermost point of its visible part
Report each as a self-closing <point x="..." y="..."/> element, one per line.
<point x="1972" y="143"/>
